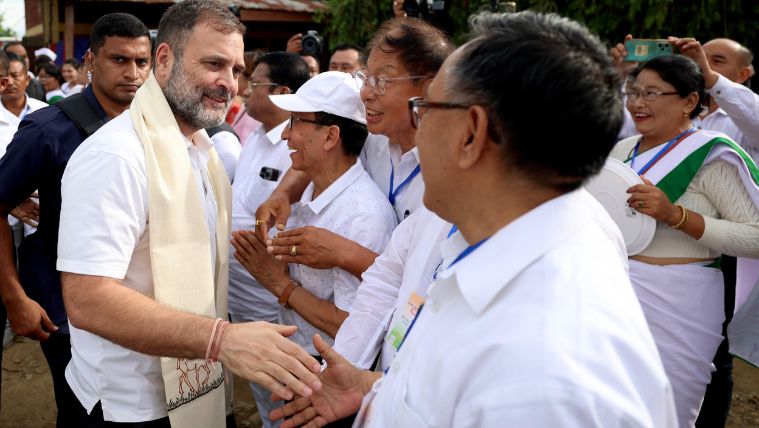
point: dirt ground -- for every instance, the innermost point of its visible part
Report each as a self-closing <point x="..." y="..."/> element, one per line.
<point x="27" y="395"/>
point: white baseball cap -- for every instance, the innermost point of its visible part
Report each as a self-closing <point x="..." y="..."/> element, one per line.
<point x="45" y="51"/>
<point x="332" y="92"/>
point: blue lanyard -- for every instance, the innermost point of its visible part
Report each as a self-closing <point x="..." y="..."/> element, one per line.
<point x="469" y="250"/>
<point x="463" y="254"/>
<point x="411" y="326"/>
<point x="460" y="257"/>
<point x="658" y="155"/>
<point x="393" y="193"/>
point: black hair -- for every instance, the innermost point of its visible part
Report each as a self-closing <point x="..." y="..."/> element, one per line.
<point x="351" y="46"/>
<point x="180" y="20"/>
<point x="5" y="64"/>
<point x="318" y="63"/>
<point x="11" y="44"/>
<point x="13" y="57"/>
<point x="116" y="25"/>
<point x="352" y="134"/>
<point x="420" y="47"/>
<point x="73" y="62"/>
<point x="251" y="59"/>
<point x="681" y="72"/>
<point x="51" y="70"/>
<point x="551" y="93"/>
<point x="286" y="69"/>
<point x="42" y="59"/>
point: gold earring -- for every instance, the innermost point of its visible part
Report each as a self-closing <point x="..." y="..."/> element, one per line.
<point x="685" y="114"/>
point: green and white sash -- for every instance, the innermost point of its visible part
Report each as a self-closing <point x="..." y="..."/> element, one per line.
<point x="672" y="174"/>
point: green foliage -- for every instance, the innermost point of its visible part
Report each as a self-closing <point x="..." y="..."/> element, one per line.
<point x="613" y="19"/>
<point x="353" y="21"/>
<point x="5" y="31"/>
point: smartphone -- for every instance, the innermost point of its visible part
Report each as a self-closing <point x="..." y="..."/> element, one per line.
<point x="641" y="50"/>
<point x="270" y="174"/>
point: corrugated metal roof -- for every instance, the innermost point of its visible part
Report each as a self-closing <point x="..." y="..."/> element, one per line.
<point x="307" y="6"/>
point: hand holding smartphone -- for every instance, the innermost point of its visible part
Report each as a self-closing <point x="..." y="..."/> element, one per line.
<point x="641" y="50"/>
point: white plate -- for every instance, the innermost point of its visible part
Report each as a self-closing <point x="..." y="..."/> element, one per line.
<point x="609" y="187"/>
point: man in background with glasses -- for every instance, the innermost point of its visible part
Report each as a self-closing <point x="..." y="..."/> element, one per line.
<point x="262" y="164"/>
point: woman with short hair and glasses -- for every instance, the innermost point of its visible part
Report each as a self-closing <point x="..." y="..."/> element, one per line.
<point x="701" y="189"/>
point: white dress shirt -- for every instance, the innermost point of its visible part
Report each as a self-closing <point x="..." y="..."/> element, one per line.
<point x="8" y="126"/>
<point x="228" y="148"/>
<point x="105" y="182"/>
<point x="382" y="160"/>
<point x="249" y="300"/>
<point x="737" y="115"/>
<point x="406" y="267"/>
<point x="539" y="326"/>
<point x="9" y="122"/>
<point x="353" y="208"/>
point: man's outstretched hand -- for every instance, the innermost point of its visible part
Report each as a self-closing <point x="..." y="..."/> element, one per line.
<point x="260" y="352"/>
<point x="343" y="388"/>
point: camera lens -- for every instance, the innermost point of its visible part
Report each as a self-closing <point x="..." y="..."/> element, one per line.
<point x="311" y="43"/>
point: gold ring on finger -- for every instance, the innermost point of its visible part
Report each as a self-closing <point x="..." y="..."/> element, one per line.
<point x="294" y="251"/>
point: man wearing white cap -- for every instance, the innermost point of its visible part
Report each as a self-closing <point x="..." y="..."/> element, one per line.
<point x="326" y="132"/>
<point x="46" y="52"/>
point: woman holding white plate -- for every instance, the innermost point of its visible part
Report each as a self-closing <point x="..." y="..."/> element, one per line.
<point x="701" y="189"/>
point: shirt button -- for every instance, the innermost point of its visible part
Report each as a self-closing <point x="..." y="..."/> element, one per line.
<point x="396" y="366"/>
<point x="719" y="92"/>
<point x="435" y="305"/>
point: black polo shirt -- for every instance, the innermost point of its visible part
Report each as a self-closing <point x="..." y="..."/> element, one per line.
<point x="35" y="160"/>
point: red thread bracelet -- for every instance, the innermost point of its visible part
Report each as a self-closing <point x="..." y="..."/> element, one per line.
<point x="210" y="340"/>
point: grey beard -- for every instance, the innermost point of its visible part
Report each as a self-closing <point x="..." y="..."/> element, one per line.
<point x="186" y="101"/>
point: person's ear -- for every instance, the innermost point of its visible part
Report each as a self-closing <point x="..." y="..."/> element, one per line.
<point x="691" y="103"/>
<point x="164" y="61"/>
<point x="475" y="138"/>
<point x="746" y="73"/>
<point x="332" y="140"/>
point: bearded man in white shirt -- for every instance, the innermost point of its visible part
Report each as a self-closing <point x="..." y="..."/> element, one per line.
<point x="531" y="319"/>
<point x="147" y="275"/>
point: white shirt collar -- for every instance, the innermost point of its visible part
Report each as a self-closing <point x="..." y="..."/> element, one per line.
<point x="201" y="140"/>
<point x="485" y="272"/>
<point x="395" y="153"/>
<point x="5" y="112"/>
<point x="333" y="191"/>
<point x="275" y="135"/>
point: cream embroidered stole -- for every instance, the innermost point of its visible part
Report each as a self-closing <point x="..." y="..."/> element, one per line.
<point x="179" y="248"/>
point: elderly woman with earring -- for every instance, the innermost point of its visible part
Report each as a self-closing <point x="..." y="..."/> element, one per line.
<point x="700" y="187"/>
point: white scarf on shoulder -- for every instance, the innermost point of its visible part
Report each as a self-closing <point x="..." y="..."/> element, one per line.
<point x="183" y="277"/>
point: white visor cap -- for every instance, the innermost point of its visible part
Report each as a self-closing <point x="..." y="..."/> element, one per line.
<point x="332" y="92"/>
